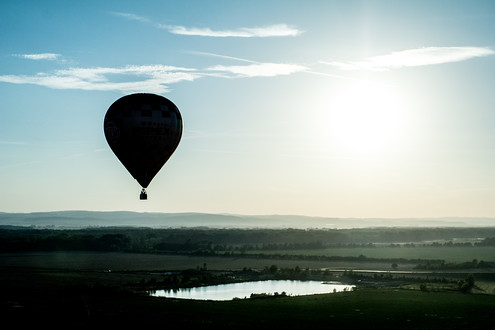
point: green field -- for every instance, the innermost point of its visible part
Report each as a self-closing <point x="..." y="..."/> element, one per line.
<point x="98" y="278"/>
<point x="71" y="290"/>
<point x="449" y="254"/>
<point x="66" y="300"/>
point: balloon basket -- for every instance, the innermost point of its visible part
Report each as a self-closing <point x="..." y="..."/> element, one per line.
<point x="143" y="195"/>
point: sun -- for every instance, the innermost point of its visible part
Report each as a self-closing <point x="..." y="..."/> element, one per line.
<point x="365" y="118"/>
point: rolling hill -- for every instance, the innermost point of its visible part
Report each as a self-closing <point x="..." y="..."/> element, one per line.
<point x="84" y="219"/>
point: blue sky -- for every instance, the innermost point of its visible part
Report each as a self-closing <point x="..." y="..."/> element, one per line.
<point x="324" y="108"/>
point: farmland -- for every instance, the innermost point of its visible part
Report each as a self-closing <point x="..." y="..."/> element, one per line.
<point x="449" y="254"/>
<point x="100" y="276"/>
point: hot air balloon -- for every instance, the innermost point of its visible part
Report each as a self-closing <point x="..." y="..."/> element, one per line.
<point x="143" y="130"/>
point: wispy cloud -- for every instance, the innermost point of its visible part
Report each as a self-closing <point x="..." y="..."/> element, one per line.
<point x="414" y="57"/>
<point x="224" y="56"/>
<point x="132" y="17"/>
<point x="149" y="78"/>
<point x="38" y="57"/>
<point x="274" y="30"/>
<point x="253" y="69"/>
<point x="259" y="69"/>
<point x="158" y="78"/>
<point x="277" y="30"/>
<point x="132" y="78"/>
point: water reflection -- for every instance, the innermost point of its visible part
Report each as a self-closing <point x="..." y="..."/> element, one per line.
<point x="245" y="289"/>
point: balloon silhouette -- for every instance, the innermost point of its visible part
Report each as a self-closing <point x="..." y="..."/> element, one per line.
<point x="143" y="130"/>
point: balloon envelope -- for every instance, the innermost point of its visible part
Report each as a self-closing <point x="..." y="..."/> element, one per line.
<point x="143" y="130"/>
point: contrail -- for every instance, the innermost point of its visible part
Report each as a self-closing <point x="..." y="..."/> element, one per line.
<point x="224" y="56"/>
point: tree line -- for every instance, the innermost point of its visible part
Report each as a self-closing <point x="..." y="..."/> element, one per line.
<point x="148" y="240"/>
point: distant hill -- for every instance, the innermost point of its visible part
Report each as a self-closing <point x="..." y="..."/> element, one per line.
<point x="84" y="219"/>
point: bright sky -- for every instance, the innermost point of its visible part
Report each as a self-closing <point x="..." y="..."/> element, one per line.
<point x="323" y="108"/>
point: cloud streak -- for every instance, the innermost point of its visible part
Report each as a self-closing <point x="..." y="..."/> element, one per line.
<point x="158" y="78"/>
<point x="139" y="78"/>
<point x="259" y="69"/>
<point x="132" y="78"/>
<point x="131" y="17"/>
<point x="38" y="57"/>
<point x="277" y="30"/>
<point x="414" y="57"/>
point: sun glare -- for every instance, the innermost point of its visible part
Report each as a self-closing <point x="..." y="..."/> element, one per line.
<point x="365" y="118"/>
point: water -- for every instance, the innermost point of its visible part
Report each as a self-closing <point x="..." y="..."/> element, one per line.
<point x="245" y="289"/>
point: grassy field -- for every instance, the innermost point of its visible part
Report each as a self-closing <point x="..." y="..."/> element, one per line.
<point x="90" y="289"/>
<point x="60" y="305"/>
<point x="449" y="254"/>
<point x="117" y="261"/>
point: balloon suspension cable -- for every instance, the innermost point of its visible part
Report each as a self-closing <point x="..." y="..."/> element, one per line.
<point x="143" y="195"/>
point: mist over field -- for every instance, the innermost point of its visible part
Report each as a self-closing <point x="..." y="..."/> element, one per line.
<point x="83" y="219"/>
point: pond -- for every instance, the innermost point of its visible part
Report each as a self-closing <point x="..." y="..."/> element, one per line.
<point x="245" y="289"/>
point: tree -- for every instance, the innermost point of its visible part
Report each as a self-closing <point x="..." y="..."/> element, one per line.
<point x="467" y="284"/>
